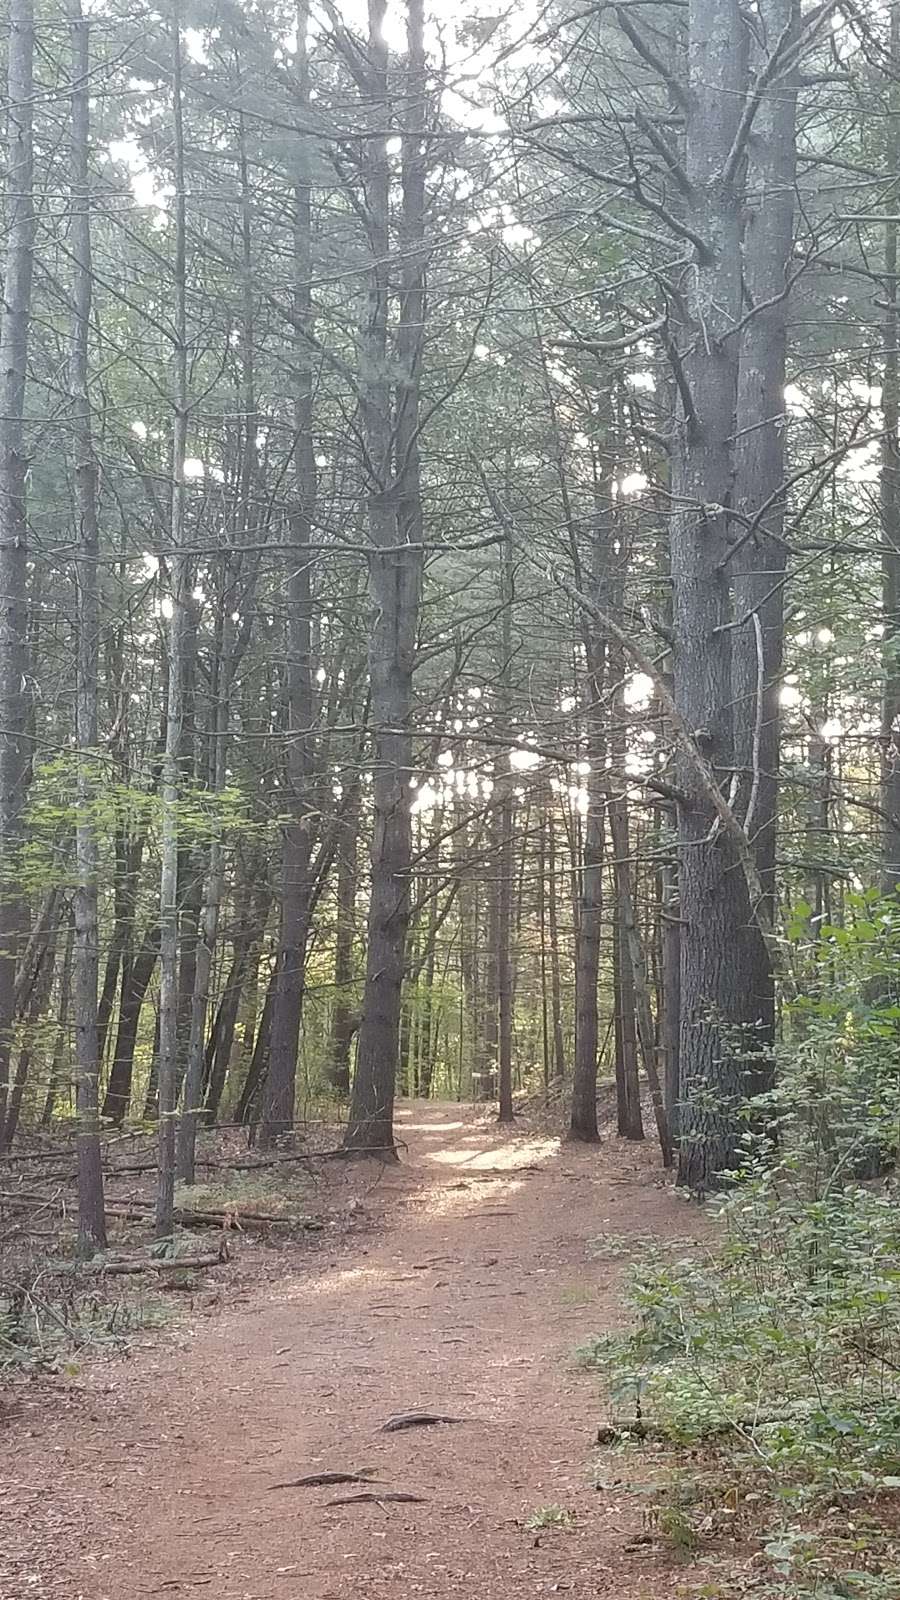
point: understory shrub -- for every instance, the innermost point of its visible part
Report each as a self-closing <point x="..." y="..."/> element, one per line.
<point x="780" y="1347"/>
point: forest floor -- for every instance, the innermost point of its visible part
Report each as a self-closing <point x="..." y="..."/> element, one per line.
<point x="492" y="1256"/>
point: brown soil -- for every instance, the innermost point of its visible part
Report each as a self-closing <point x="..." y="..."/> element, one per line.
<point x="153" y="1475"/>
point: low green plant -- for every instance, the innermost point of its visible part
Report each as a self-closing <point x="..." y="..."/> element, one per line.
<point x="577" y="1294"/>
<point x="42" y="1331"/>
<point x="550" y="1517"/>
<point x="780" y="1349"/>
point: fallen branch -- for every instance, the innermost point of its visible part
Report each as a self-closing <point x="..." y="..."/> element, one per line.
<point x="183" y="1216"/>
<point x="118" y="1269"/>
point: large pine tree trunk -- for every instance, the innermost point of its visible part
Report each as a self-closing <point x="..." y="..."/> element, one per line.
<point x="86" y="957"/>
<point x="395" y="565"/>
<point x="14" y="335"/>
<point x="713" y="898"/>
<point x="759" y="494"/>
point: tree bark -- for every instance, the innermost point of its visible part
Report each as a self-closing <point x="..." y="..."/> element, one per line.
<point x="278" y="1107"/>
<point x="759" y="455"/>
<point x="135" y="983"/>
<point x="505" y="854"/>
<point x="713" y="901"/>
<point x="889" y="490"/>
<point x="61" y="1043"/>
<point x="14" y="337"/>
<point x="583" y="1121"/>
<point x="395" y="565"/>
<point x="175" y="710"/>
<point x="343" y="1013"/>
<point x="86" y="955"/>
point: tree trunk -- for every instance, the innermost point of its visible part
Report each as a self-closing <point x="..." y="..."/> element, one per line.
<point x="14" y="335"/>
<point x="251" y="924"/>
<point x="86" y="957"/>
<point x="120" y="953"/>
<point x="30" y="1019"/>
<point x="629" y="1120"/>
<point x="559" y="1048"/>
<point x="395" y="566"/>
<point x="135" y="983"/>
<point x="890" y="510"/>
<point x="248" y="1103"/>
<point x="713" y="900"/>
<point x="635" y="964"/>
<point x="759" y="492"/>
<point x="485" y="1080"/>
<point x="505" y="1111"/>
<point x="178" y="622"/>
<point x="670" y="938"/>
<point x="61" y="1044"/>
<point x="343" y="1010"/>
<point x="278" y="1109"/>
<point x="583" y="1122"/>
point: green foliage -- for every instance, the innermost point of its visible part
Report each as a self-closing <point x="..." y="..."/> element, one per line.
<point x="40" y="1332"/>
<point x="781" y="1347"/>
<point x="550" y="1517"/>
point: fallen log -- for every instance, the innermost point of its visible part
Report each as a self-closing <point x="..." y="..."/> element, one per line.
<point x="183" y="1216"/>
<point x="117" y="1269"/>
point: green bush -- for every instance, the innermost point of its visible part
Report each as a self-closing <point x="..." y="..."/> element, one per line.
<point x="781" y="1347"/>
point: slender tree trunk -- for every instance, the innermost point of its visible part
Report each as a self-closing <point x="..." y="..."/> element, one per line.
<point x="278" y="1109"/>
<point x="251" y="920"/>
<point x="248" y="1103"/>
<point x="629" y="1120"/>
<point x="120" y="952"/>
<point x="504" y="957"/>
<point x="394" y="573"/>
<point x="178" y="598"/>
<point x="559" y="1048"/>
<point x="629" y="1117"/>
<point x="343" y="1013"/>
<point x="61" y="1043"/>
<point x="635" y="963"/>
<point x="30" y="1020"/>
<point x="890" y="508"/>
<point x="14" y="335"/>
<point x="583" y="1123"/>
<point x="485" y="1085"/>
<point x="670" y="939"/>
<point x="135" y="983"/>
<point x="208" y="928"/>
<point x="713" y="901"/>
<point x="506" y="852"/>
<point x="86" y="959"/>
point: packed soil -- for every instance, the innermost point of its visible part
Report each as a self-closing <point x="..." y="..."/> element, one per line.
<point x="493" y="1255"/>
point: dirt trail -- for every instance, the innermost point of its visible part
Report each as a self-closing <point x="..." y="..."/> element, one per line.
<point x="470" y="1302"/>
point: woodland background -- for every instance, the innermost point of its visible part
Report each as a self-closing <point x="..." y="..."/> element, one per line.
<point x="449" y="554"/>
